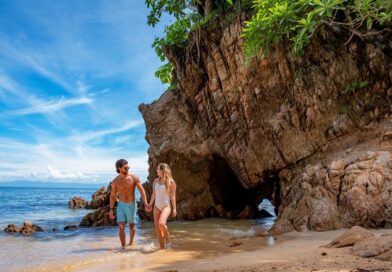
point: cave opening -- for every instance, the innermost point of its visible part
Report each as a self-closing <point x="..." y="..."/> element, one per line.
<point x="270" y="195"/>
<point x="237" y="201"/>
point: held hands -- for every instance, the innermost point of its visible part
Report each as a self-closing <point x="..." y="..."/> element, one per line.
<point x="111" y="216"/>
<point x="148" y="208"/>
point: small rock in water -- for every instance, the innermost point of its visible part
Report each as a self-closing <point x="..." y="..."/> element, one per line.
<point x="29" y="227"/>
<point x="11" y="228"/>
<point x="70" y="227"/>
<point x="235" y="244"/>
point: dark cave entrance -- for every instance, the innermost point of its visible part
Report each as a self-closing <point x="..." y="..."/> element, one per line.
<point x="235" y="201"/>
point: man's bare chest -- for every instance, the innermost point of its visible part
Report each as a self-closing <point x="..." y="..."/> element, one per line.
<point x="125" y="186"/>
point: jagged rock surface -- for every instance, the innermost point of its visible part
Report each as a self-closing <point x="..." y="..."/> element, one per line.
<point x="100" y="217"/>
<point x="286" y="128"/>
<point x="77" y="202"/>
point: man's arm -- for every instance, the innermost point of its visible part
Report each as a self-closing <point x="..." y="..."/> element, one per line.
<point x="113" y="198"/>
<point x="141" y="190"/>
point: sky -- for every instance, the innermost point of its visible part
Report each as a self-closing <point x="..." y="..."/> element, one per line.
<point x="72" y="74"/>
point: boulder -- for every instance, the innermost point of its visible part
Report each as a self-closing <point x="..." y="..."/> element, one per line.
<point x="365" y="244"/>
<point x="77" y="203"/>
<point x="12" y="228"/>
<point x="29" y="227"/>
<point x="98" y="218"/>
<point x="100" y="198"/>
<point x="70" y="227"/>
<point x="374" y="246"/>
<point x="350" y="237"/>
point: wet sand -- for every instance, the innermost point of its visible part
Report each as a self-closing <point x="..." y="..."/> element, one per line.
<point x="215" y="250"/>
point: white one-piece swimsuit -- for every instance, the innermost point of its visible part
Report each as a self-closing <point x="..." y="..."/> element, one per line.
<point x="162" y="199"/>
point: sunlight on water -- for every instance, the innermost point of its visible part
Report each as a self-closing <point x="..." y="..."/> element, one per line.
<point x="49" y="209"/>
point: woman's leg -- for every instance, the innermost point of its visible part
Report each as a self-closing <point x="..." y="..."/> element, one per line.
<point x="159" y="233"/>
<point x="162" y="223"/>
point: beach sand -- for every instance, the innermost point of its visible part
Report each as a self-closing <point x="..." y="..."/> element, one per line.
<point x="294" y="251"/>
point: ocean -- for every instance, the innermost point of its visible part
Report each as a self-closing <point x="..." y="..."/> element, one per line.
<point x="48" y="208"/>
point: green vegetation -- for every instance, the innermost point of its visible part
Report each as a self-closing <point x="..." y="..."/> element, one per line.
<point x="296" y="21"/>
<point x="272" y="22"/>
<point x="189" y="15"/>
<point x="355" y="85"/>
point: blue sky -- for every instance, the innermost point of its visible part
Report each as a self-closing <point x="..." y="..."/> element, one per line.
<point x="72" y="75"/>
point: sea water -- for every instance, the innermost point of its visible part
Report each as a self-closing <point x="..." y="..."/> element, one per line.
<point x="48" y="208"/>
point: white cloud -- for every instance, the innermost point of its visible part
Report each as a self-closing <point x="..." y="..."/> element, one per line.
<point x="52" y="106"/>
<point x="121" y="139"/>
<point x="56" y="174"/>
<point x="58" y="160"/>
<point x="85" y="137"/>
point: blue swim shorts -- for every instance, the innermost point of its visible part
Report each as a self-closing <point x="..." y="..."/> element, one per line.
<point x="126" y="212"/>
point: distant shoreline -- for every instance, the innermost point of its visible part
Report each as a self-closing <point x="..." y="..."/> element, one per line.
<point x="54" y="185"/>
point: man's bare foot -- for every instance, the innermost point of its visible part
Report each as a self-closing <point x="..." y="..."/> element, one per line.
<point x="130" y="243"/>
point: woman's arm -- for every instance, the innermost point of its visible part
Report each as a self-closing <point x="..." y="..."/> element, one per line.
<point x="173" y="188"/>
<point x="152" y="199"/>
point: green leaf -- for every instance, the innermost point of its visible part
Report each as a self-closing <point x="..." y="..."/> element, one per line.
<point x="369" y="23"/>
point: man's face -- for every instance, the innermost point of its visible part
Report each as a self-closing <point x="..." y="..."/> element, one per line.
<point x="124" y="169"/>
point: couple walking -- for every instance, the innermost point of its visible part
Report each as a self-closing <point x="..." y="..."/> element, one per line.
<point x="162" y="202"/>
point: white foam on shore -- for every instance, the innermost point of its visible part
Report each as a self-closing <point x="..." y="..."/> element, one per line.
<point x="240" y="233"/>
<point x="149" y="248"/>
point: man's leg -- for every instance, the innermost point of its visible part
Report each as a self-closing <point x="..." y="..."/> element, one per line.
<point x="121" y="223"/>
<point x="130" y="215"/>
<point x="121" y="232"/>
<point x="162" y="223"/>
<point x="131" y="233"/>
<point x="157" y="213"/>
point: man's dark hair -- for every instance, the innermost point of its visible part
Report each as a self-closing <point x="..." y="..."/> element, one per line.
<point x="120" y="163"/>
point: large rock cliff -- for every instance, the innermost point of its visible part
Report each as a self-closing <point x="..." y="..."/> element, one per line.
<point x="311" y="133"/>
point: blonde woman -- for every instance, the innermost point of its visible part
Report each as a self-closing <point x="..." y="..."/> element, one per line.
<point x="163" y="199"/>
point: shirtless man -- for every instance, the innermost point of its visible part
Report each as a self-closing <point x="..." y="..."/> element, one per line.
<point x="124" y="186"/>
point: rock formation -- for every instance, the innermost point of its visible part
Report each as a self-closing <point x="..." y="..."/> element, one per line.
<point x="98" y="218"/>
<point x="70" y="227"/>
<point x="12" y="228"/>
<point x="100" y="201"/>
<point x="27" y="228"/>
<point x="365" y="244"/>
<point x="77" y="203"/>
<point x="297" y="130"/>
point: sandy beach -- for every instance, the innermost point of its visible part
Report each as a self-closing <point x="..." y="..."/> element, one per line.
<point x="294" y="251"/>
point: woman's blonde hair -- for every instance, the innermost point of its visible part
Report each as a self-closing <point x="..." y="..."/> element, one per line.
<point x="166" y="174"/>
